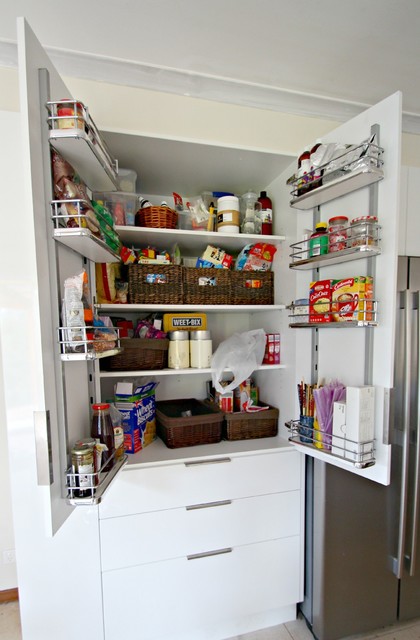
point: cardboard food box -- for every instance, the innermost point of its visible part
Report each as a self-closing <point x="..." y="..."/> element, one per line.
<point x="272" y="349"/>
<point x="320" y="301"/>
<point x="137" y="406"/>
<point x="352" y="299"/>
<point x="184" y="321"/>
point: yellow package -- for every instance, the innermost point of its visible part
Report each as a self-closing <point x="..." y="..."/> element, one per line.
<point x="184" y="322"/>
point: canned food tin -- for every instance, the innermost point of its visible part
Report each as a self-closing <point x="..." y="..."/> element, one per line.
<point x="337" y="231"/>
<point x="83" y="470"/>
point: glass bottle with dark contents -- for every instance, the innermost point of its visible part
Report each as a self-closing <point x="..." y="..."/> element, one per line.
<point x="103" y="430"/>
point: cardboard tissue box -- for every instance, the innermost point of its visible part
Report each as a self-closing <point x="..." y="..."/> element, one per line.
<point x="354" y="425"/>
<point x="137" y="405"/>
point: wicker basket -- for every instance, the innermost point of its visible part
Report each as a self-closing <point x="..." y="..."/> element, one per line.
<point x="139" y="353"/>
<point x="157" y="218"/>
<point x="204" y="426"/>
<point x="252" y="287"/>
<point x="206" y="286"/>
<point x="247" y="426"/>
<point x="146" y="287"/>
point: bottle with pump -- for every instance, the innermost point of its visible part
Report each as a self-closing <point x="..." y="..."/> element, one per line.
<point x="318" y="242"/>
<point x="266" y="214"/>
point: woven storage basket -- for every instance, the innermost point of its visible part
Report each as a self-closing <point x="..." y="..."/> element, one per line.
<point x="246" y="426"/>
<point x="206" y="286"/>
<point x="204" y="426"/>
<point x="139" y="353"/>
<point x="252" y="287"/>
<point x="157" y="218"/>
<point x="142" y="289"/>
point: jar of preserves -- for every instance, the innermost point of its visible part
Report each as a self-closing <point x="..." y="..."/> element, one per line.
<point x="338" y="233"/>
<point x="82" y="464"/>
<point x="102" y="429"/>
<point x="67" y="113"/>
<point x="179" y="350"/>
<point x="364" y="231"/>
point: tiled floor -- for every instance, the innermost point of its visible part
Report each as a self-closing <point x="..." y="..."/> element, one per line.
<point x="296" y="630"/>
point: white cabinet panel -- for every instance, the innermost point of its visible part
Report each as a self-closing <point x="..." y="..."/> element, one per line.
<point x="402" y="225"/>
<point x="166" y="487"/>
<point x="149" y="537"/>
<point x="412" y="243"/>
<point x="197" y="599"/>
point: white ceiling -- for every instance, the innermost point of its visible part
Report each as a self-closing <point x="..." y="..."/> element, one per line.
<point x="328" y="58"/>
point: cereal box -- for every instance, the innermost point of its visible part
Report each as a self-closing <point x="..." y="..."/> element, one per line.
<point x="138" y="409"/>
<point x="352" y="299"/>
<point x="320" y="301"/>
<point x="272" y="349"/>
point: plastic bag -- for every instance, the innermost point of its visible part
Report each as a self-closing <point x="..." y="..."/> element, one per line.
<point x="241" y="353"/>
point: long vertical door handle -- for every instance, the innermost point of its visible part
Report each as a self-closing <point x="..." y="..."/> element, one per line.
<point x="414" y="309"/>
<point x="406" y="434"/>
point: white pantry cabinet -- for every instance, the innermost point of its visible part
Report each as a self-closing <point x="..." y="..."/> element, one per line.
<point x="216" y="553"/>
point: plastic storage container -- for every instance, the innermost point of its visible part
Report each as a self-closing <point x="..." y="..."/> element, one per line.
<point x="364" y="231"/>
<point x="121" y="205"/>
<point x="127" y="180"/>
<point x="337" y="229"/>
<point x="200" y="349"/>
<point x="228" y="214"/>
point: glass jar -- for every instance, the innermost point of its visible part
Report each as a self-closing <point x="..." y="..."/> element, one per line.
<point x="337" y="230"/>
<point x="200" y="349"/>
<point x="179" y="350"/>
<point x="318" y="242"/>
<point x="364" y="231"/>
<point x="102" y="429"/>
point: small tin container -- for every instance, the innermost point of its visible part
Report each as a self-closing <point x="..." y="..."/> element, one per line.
<point x="201" y="349"/>
<point x="179" y="350"/>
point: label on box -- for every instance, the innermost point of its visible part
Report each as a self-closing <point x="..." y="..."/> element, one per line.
<point x="184" y="321"/>
<point x="320" y="301"/>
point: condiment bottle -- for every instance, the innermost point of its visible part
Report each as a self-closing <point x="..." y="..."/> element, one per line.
<point x="338" y="233"/>
<point x="103" y="430"/>
<point x="200" y="349"/>
<point x="315" y="175"/>
<point x="304" y="167"/>
<point x="266" y="214"/>
<point x="318" y="242"/>
<point x="179" y="350"/>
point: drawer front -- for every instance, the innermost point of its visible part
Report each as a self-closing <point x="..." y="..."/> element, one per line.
<point x="161" y="535"/>
<point x="188" y="599"/>
<point x="178" y="485"/>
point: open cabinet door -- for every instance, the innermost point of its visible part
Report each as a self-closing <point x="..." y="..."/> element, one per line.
<point x="360" y="355"/>
<point x="53" y="411"/>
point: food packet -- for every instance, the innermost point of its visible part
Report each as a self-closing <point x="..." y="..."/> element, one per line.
<point x="105" y="336"/>
<point x="256" y="257"/>
<point x="106" y="275"/>
<point x="73" y="315"/>
<point x="199" y="214"/>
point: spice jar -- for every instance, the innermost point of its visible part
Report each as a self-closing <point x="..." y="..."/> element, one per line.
<point x="103" y="430"/>
<point x="337" y="231"/>
<point x="200" y="349"/>
<point x="179" y="350"/>
<point x="82" y="463"/>
<point x="364" y="231"/>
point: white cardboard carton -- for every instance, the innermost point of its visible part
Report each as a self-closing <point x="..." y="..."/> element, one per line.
<point x="354" y="421"/>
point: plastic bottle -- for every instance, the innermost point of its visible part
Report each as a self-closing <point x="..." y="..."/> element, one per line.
<point x="266" y="214"/>
<point x="304" y="167"/>
<point x="316" y="173"/>
<point x="103" y="430"/>
<point x="318" y="242"/>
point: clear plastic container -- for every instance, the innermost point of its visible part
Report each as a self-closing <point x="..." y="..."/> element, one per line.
<point x="337" y="230"/>
<point x="364" y="231"/>
<point x="121" y="205"/>
<point x="127" y="180"/>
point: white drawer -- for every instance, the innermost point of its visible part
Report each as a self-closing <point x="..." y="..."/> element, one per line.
<point x="160" y="535"/>
<point x="177" y="485"/>
<point x="192" y="599"/>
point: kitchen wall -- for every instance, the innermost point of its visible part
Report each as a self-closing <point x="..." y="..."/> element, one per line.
<point x="171" y="116"/>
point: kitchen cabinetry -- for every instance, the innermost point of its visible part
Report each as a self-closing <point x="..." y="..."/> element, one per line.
<point x="203" y="546"/>
<point x="409" y="228"/>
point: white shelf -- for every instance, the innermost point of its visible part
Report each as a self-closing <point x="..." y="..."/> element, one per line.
<point x="347" y="183"/>
<point x="83" y="241"/>
<point x="179" y="372"/>
<point x="209" y="308"/>
<point x="193" y="241"/>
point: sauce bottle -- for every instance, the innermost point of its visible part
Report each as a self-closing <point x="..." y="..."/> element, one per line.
<point x="304" y="167"/>
<point x="316" y="173"/>
<point x="103" y="430"/>
<point x="318" y="242"/>
<point x="266" y="214"/>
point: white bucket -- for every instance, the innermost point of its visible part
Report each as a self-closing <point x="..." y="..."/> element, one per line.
<point x="228" y="215"/>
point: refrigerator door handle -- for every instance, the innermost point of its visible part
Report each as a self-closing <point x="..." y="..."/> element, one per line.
<point x="404" y="305"/>
<point x="414" y="310"/>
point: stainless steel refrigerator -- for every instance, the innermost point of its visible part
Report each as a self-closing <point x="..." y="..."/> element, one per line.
<point x="362" y="539"/>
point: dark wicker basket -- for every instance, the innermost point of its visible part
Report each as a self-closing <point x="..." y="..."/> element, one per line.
<point x="206" y="286"/>
<point x="204" y="426"/>
<point x="139" y="353"/>
<point x="247" y="426"/>
<point x="252" y="287"/>
<point x="142" y="289"/>
<point x="156" y="218"/>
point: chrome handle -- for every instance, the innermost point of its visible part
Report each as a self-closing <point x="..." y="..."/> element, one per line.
<point x="416" y="496"/>
<point x="406" y="435"/>
<point x="207" y="505"/>
<point x="207" y="554"/>
<point x="194" y="463"/>
<point x="44" y="467"/>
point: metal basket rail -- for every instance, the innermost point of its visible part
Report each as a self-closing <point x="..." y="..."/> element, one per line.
<point x="80" y="343"/>
<point x="88" y="488"/>
<point x="360" y="454"/>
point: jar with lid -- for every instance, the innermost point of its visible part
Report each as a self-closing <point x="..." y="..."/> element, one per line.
<point x="103" y="430"/>
<point x="364" y="231"/>
<point x="318" y="242"/>
<point x="200" y="349"/>
<point x="337" y="230"/>
<point x="82" y="463"/>
<point x="179" y="350"/>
